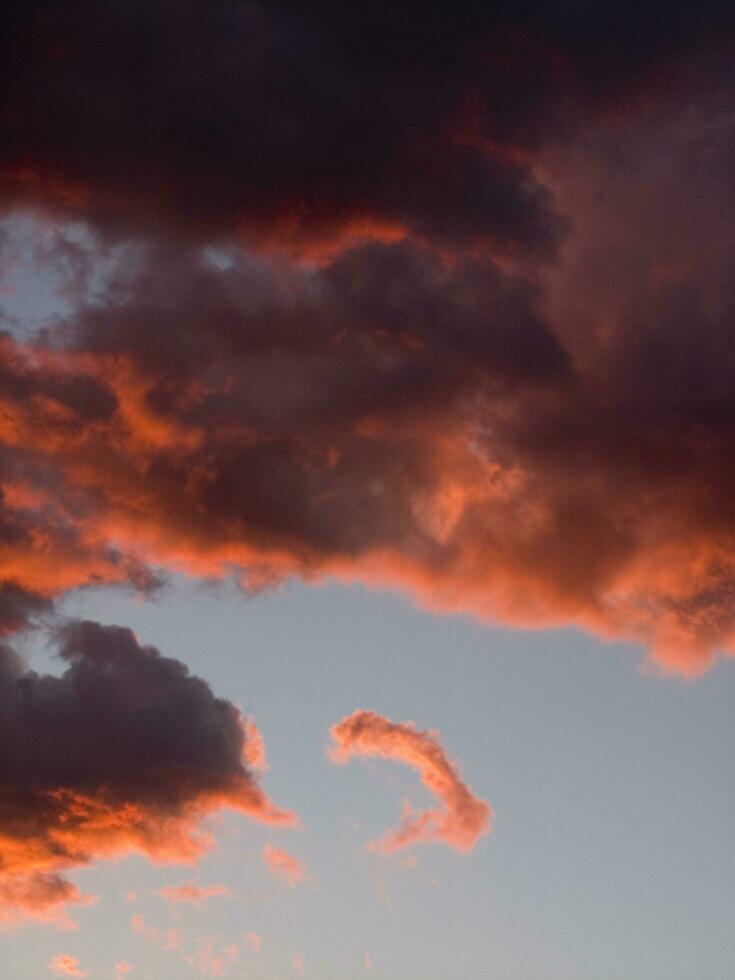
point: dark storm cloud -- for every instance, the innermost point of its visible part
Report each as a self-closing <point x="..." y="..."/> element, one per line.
<point x="294" y="122"/>
<point x="18" y="607"/>
<point x="125" y="751"/>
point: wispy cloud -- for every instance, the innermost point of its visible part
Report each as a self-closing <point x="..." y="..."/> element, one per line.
<point x="192" y="893"/>
<point x="67" y="966"/>
<point x="459" y="821"/>
<point x="283" y="865"/>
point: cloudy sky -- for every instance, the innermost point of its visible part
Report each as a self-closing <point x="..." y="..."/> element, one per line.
<point x="367" y="466"/>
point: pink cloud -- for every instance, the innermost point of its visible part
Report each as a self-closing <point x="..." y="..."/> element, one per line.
<point x="254" y="941"/>
<point x="168" y="939"/>
<point x="254" y="752"/>
<point x="214" y="958"/>
<point x="66" y="966"/>
<point x="192" y="893"/>
<point x="460" y="819"/>
<point x="283" y="865"/>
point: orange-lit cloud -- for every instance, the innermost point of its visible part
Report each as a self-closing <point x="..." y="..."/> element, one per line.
<point x="297" y="961"/>
<point x="170" y="940"/>
<point x="125" y="752"/>
<point x="459" y="821"/>
<point x="255" y="941"/>
<point x="483" y="361"/>
<point x="454" y="468"/>
<point x="192" y="893"/>
<point x="213" y="957"/>
<point x="67" y="966"/>
<point x="283" y="865"/>
<point x="254" y="746"/>
<point x="37" y="896"/>
<point x="123" y="969"/>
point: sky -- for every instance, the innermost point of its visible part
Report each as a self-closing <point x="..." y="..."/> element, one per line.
<point x="366" y="524"/>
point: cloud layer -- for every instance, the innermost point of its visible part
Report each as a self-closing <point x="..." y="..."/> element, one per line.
<point x="460" y="819"/>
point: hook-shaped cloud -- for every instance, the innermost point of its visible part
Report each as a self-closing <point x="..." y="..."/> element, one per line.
<point x="460" y="819"/>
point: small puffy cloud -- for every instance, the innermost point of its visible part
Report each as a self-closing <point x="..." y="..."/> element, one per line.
<point x="170" y="940"/>
<point x="461" y="817"/>
<point x="66" y="966"/>
<point x="254" y="940"/>
<point x="214" y="958"/>
<point x="38" y="896"/>
<point x="283" y="865"/>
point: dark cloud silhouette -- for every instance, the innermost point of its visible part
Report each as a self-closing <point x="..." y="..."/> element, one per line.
<point x="125" y="751"/>
<point x="293" y="123"/>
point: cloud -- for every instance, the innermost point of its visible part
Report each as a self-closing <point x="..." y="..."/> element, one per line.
<point x="283" y="865"/>
<point x="460" y="819"/>
<point x="123" y="969"/>
<point x="126" y="751"/>
<point x="254" y="941"/>
<point x="37" y="896"/>
<point x="67" y="966"/>
<point x="254" y="746"/>
<point x="297" y="962"/>
<point x="213" y="957"/>
<point x="192" y="893"/>
<point x="380" y="147"/>
<point x="457" y="321"/>
<point x="170" y="940"/>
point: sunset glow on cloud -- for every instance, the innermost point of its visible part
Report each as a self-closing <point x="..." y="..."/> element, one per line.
<point x="67" y="966"/>
<point x="192" y="893"/>
<point x="443" y="406"/>
<point x="283" y="865"/>
<point x="126" y="751"/>
<point x="352" y="353"/>
<point x="459" y="821"/>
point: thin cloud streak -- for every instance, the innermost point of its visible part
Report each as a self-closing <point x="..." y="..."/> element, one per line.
<point x="192" y="893"/>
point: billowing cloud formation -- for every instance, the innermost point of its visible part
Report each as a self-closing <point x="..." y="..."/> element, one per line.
<point x="192" y="893"/>
<point x="456" y="318"/>
<point x="461" y="818"/>
<point x="283" y="865"/>
<point x="126" y="751"/>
